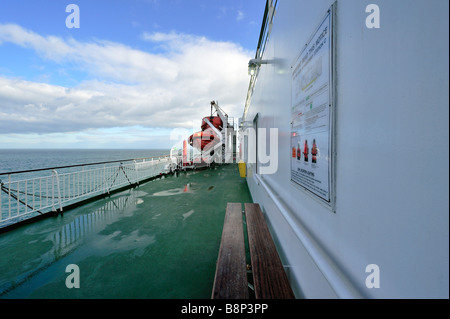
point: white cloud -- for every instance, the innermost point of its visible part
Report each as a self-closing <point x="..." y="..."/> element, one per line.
<point x="49" y="47"/>
<point x="240" y="16"/>
<point x="121" y="137"/>
<point x="127" y="87"/>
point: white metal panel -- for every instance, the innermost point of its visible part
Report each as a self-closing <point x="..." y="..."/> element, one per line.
<point x="391" y="141"/>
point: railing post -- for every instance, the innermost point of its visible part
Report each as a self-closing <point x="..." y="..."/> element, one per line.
<point x="104" y="178"/>
<point x="9" y="195"/>
<point x="83" y="186"/>
<point x="137" y="171"/>
<point x="53" y="190"/>
<point x="18" y="198"/>
<point x="26" y="195"/>
<point x="56" y="176"/>
<point x="1" y="193"/>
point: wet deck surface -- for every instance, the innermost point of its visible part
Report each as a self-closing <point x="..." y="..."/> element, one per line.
<point x="160" y="240"/>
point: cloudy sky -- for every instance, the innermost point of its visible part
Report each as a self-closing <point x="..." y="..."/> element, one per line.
<point x="132" y="72"/>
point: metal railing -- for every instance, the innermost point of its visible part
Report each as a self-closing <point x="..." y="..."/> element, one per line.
<point x="25" y="194"/>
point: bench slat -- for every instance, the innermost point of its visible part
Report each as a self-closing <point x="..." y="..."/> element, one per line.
<point x="230" y="281"/>
<point x="270" y="280"/>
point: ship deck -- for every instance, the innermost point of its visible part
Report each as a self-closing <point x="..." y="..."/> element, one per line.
<point x="159" y="240"/>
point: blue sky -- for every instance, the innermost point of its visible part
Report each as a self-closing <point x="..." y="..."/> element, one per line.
<point x="128" y="76"/>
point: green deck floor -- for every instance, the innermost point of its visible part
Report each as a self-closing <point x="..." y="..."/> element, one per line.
<point x="159" y="240"/>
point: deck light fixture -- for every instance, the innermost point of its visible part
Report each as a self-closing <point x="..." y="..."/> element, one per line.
<point x="253" y="65"/>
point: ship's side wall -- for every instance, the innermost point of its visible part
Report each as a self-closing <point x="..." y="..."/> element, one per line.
<point x="391" y="161"/>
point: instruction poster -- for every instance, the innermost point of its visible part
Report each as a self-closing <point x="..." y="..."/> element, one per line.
<point x="311" y="114"/>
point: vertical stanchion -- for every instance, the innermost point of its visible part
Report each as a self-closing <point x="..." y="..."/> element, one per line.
<point x="1" y="193"/>
<point x="26" y="196"/>
<point x="59" y="191"/>
<point x="18" y="199"/>
<point x="53" y="190"/>
<point x="34" y="196"/>
<point x="104" y="178"/>
<point x="136" y="168"/>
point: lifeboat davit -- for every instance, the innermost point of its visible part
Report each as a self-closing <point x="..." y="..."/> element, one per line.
<point x="204" y="140"/>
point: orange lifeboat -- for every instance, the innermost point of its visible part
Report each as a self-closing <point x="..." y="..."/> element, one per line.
<point x="215" y="121"/>
<point x="204" y="140"/>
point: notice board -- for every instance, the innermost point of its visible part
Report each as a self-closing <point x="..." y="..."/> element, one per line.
<point x="311" y="113"/>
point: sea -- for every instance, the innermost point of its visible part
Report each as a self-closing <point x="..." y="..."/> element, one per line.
<point x="13" y="160"/>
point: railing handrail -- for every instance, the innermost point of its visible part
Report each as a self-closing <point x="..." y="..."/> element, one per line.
<point x="79" y="165"/>
<point x="23" y="199"/>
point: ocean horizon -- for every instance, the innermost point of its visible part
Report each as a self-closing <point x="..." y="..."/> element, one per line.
<point x="12" y="160"/>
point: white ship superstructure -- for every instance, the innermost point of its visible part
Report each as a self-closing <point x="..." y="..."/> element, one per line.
<point x="357" y="93"/>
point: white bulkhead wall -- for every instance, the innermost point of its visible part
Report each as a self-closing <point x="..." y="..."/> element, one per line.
<point x="391" y="140"/>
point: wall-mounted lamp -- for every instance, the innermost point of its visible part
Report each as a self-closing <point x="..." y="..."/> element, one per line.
<point x="253" y="65"/>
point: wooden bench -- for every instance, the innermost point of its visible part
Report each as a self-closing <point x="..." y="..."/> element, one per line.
<point x="269" y="278"/>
